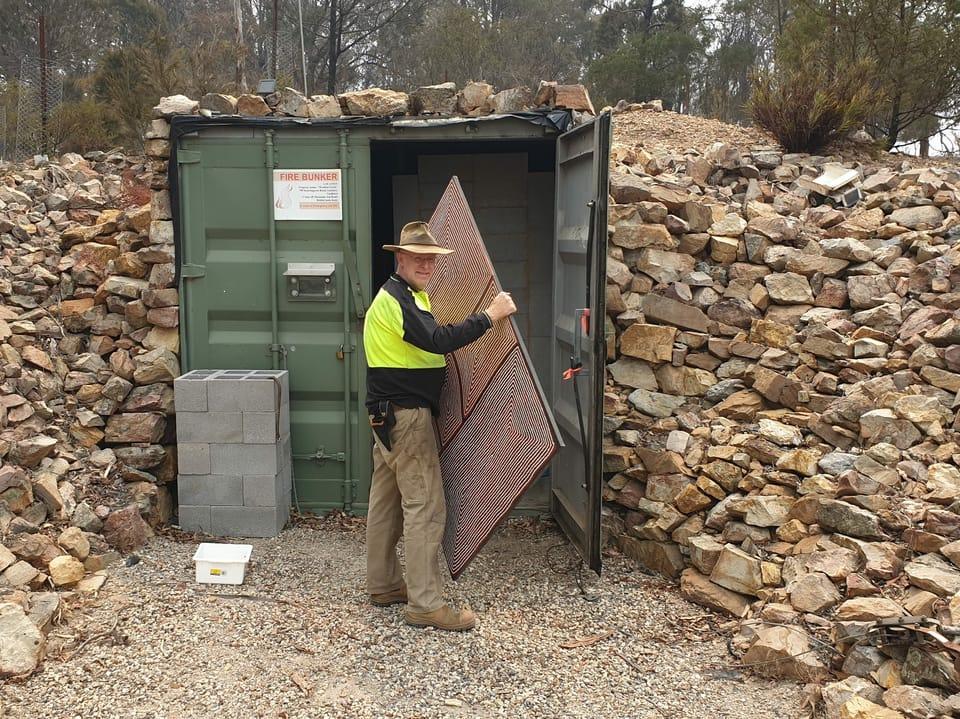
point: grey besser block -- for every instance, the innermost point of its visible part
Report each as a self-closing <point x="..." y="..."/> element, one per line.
<point x="226" y="394"/>
<point x="248" y="458"/>
<point x="248" y="521"/>
<point x="210" y="427"/>
<point x="250" y="393"/>
<point x="281" y="375"/>
<point x="212" y="489"/>
<point x="260" y="428"/>
<point x="194" y="518"/>
<point x="193" y="458"/>
<point x="190" y="393"/>
<point x="266" y="490"/>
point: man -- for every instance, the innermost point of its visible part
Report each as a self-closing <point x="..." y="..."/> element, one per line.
<point x="405" y="351"/>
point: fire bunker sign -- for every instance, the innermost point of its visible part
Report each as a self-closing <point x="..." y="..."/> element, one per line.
<point x="307" y="195"/>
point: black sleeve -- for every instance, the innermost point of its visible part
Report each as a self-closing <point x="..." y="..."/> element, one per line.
<point x="421" y="330"/>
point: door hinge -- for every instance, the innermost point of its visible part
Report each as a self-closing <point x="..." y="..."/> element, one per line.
<point x="187" y="157"/>
<point x="192" y="271"/>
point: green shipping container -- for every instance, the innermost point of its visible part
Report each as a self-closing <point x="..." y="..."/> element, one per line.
<point x="260" y="291"/>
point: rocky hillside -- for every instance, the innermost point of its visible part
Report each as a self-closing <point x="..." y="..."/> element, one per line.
<point x="781" y="425"/>
<point x="88" y="337"/>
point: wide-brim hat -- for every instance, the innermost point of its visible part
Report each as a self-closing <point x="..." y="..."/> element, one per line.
<point x="415" y="237"/>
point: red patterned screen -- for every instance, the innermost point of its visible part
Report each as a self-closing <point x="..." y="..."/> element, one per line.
<point x="496" y="432"/>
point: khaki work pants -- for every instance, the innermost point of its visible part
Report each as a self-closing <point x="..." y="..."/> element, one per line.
<point x="406" y="498"/>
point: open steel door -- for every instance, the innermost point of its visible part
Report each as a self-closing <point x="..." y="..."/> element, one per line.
<point x="580" y="251"/>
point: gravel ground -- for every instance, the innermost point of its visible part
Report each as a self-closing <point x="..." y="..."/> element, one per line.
<point x="299" y="640"/>
<point x="675" y="132"/>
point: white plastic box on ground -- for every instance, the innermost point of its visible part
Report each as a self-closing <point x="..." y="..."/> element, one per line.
<point x="222" y="563"/>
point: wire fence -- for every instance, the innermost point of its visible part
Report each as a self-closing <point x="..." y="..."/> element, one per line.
<point x="4" y="150"/>
<point x="39" y="95"/>
<point x="288" y="60"/>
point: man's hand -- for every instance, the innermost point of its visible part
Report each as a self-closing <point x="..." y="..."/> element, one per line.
<point x="501" y="307"/>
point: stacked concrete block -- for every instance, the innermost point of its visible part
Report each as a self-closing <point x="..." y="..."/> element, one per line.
<point x="233" y="438"/>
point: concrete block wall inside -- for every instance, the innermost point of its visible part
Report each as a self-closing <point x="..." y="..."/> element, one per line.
<point x="233" y="430"/>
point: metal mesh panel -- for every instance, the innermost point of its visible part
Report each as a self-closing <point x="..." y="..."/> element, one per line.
<point x="496" y="432"/>
<point x="40" y="92"/>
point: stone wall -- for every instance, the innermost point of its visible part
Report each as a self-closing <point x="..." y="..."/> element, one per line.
<point x="88" y="336"/>
<point x="780" y="411"/>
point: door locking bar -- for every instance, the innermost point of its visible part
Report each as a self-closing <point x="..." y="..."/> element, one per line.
<point x="321" y="456"/>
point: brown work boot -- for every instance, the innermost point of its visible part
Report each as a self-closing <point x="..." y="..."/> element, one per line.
<point x="445" y="618"/>
<point x="397" y="596"/>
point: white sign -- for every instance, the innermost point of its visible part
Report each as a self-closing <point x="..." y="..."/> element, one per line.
<point x="307" y="195"/>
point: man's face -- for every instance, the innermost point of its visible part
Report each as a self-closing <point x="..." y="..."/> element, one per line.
<point x="415" y="268"/>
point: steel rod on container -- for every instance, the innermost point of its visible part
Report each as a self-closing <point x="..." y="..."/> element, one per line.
<point x="347" y="344"/>
<point x="272" y="230"/>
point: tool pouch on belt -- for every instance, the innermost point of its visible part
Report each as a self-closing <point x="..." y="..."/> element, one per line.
<point x="382" y="421"/>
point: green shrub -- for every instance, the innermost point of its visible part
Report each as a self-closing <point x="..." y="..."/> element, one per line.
<point x="805" y="107"/>
<point x="81" y="127"/>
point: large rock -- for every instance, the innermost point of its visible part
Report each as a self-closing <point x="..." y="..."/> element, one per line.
<point x="323" y="106"/>
<point x="65" y="570"/>
<point x="573" y="97"/>
<point x="219" y="103"/>
<point x="933" y="573"/>
<point x="29" y="452"/>
<point x="662" y="557"/>
<point x="294" y="103"/>
<point x="125" y="529"/>
<point x="374" y="102"/>
<point x="868" y="609"/>
<point x="915" y="702"/>
<point x="124" y="286"/>
<point x="763" y="510"/>
<point x="672" y="312"/>
<point x="700" y="590"/>
<point x="434" y="99"/>
<point x="846" y="248"/>
<point x="860" y="708"/>
<point x="653" y="343"/>
<point x="813" y="592"/>
<point x="836" y="516"/>
<point x="788" y="288"/>
<point x="738" y="571"/>
<point x="664" y="267"/>
<point x="655" y="404"/>
<point x="785" y="652"/>
<point x="252" y="106"/>
<point x="870" y="290"/>
<point x="923" y="217"/>
<point x="475" y="97"/>
<point x="632" y="233"/>
<point x="684" y="381"/>
<point x="159" y="365"/>
<point x="836" y="694"/>
<point x="175" y="105"/>
<point x="134" y="427"/>
<point x="21" y="642"/>
<point x="515" y="99"/>
<point x="930" y="668"/>
<point x="633" y="373"/>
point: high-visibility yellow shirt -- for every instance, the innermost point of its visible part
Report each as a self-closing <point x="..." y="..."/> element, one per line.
<point x="405" y="346"/>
